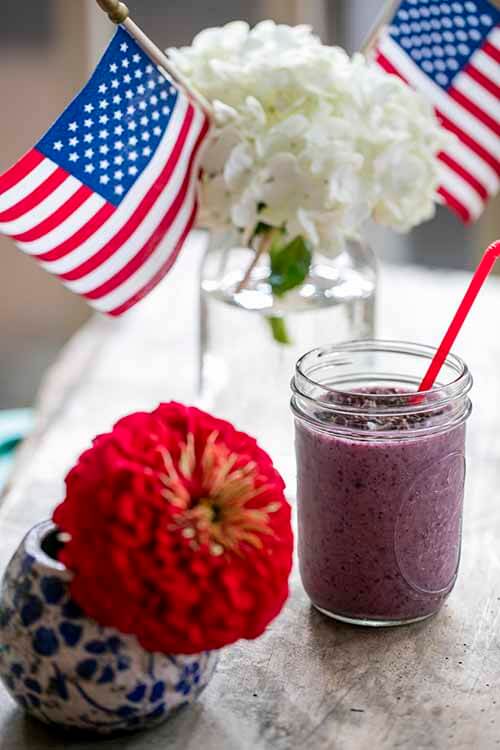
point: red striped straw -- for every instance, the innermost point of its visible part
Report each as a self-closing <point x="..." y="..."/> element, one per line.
<point x="482" y="271"/>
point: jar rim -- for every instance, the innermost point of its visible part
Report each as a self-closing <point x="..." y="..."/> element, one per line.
<point x="463" y="378"/>
<point x="448" y="401"/>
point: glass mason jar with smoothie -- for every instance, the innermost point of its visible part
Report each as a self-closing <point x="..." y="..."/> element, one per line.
<point x="380" y="480"/>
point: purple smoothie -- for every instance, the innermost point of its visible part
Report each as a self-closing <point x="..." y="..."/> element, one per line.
<point x="380" y="520"/>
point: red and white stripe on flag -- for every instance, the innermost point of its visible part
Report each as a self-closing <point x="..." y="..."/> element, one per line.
<point x="450" y="52"/>
<point x="107" y="197"/>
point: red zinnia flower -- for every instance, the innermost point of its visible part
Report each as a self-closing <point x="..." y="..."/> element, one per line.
<point x="179" y="531"/>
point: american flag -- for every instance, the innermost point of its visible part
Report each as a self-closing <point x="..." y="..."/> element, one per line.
<point x="450" y="51"/>
<point x="107" y="197"/>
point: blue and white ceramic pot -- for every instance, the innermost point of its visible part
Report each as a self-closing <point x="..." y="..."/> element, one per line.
<point x="65" y="669"/>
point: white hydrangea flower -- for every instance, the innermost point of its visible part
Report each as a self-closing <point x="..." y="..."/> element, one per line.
<point x="307" y="138"/>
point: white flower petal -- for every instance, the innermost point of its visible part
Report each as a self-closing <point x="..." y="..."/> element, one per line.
<point x="224" y="114"/>
<point x="238" y="166"/>
<point x="323" y="141"/>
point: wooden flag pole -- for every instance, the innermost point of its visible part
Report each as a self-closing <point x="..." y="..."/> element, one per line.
<point x="381" y="22"/>
<point x="119" y="14"/>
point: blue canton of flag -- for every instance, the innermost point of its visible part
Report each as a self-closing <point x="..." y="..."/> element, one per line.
<point x="107" y="197"/>
<point x="450" y="51"/>
<point x="109" y="134"/>
<point x="442" y="37"/>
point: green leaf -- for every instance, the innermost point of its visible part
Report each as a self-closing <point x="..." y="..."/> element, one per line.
<point x="261" y="228"/>
<point x="290" y="265"/>
<point x="278" y="328"/>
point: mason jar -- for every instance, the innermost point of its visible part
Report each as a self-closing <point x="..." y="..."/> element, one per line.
<point x="380" y="479"/>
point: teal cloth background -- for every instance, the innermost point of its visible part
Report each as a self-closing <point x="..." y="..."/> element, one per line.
<point x="15" y="425"/>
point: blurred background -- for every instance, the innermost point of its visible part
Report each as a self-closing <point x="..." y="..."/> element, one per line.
<point x="46" y="53"/>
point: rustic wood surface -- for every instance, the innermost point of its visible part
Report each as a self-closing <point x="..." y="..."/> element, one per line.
<point x="309" y="682"/>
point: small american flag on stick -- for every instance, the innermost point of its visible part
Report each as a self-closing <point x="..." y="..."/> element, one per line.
<point x="107" y="197"/>
<point x="450" y="51"/>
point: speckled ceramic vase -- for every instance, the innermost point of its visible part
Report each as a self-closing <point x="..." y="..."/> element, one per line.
<point x="65" y="669"/>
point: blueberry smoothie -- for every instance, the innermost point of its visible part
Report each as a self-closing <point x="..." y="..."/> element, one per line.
<point x="379" y="504"/>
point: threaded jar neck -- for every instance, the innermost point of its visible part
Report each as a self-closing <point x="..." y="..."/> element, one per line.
<point x="366" y="390"/>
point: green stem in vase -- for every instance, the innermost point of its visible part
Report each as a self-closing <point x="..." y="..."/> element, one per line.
<point x="267" y="238"/>
<point x="279" y="329"/>
<point x="290" y="265"/>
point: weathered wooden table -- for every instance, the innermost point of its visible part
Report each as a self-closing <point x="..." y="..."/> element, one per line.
<point x="308" y="683"/>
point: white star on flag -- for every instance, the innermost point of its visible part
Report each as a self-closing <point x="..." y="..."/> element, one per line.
<point x="110" y="221"/>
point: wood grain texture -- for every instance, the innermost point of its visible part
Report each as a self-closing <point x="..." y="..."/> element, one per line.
<point x="308" y="683"/>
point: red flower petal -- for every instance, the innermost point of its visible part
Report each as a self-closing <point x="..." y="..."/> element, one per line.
<point x="180" y="531"/>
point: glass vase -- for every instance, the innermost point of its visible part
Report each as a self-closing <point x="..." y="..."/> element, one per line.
<point x="244" y="368"/>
